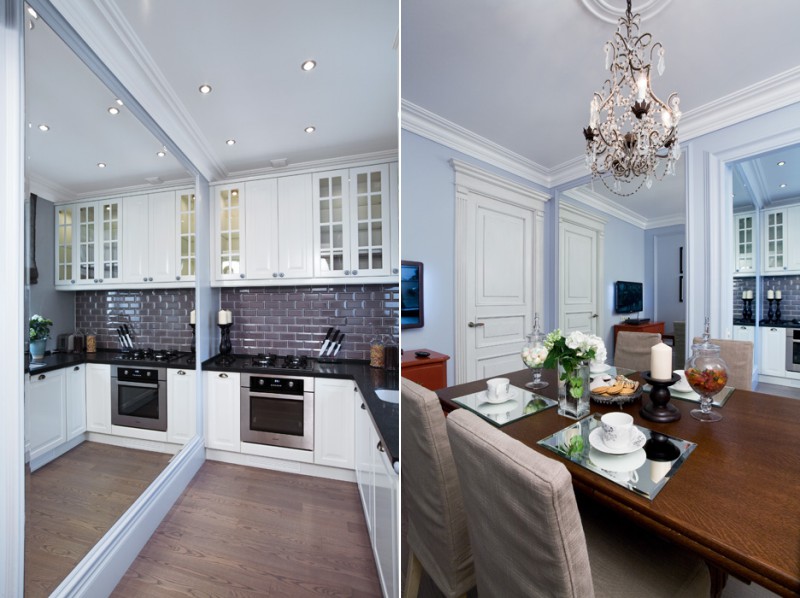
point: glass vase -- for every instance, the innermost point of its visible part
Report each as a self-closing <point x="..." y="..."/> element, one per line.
<point x="573" y="391"/>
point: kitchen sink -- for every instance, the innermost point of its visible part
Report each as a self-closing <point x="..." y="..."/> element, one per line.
<point x="388" y="396"/>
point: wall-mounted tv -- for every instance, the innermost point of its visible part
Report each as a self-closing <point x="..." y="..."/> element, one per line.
<point x="627" y="297"/>
<point x="411" y="297"/>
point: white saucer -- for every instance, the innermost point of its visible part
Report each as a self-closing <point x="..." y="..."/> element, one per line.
<point x="497" y="408"/>
<point x="596" y="369"/>
<point x="483" y="396"/>
<point x="596" y="440"/>
<point x="681" y="385"/>
<point x="618" y="463"/>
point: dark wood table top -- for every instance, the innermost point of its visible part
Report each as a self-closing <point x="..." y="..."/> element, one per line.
<point x="735" y="501"/>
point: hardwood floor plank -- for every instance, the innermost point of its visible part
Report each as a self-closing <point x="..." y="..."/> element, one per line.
<point x="240" y="531"/>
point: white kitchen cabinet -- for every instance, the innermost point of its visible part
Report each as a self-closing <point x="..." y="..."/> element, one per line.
<point x="394" y="216"/>
<point x="774" y="241"/>
<point x="793" y="251"/>
<point x="65" y="246"/>
<point x="773" y="351"/>
<point x="229" y="218"/>
<point x="45" y="412"/>
<point x="186" y="234"/>
<point x="98" y="398"/>
<point x="744" y="234"/>
<point x="181" y="405"/>
<point x="222" y="410"/>
<point x="352" y="210"/>
<point x="364" y="458"/>
<point x="97" y="238"/>
<point x="75" y="396"/>
<point x="334" y="423"/>
<point x="744" y="333"/>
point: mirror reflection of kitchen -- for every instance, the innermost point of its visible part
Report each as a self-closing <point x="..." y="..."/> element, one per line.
<point x="89" y="163"/>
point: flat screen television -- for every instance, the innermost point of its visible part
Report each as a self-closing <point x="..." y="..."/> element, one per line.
<point x="411" y="297"/>
<point x="627" y="297"/>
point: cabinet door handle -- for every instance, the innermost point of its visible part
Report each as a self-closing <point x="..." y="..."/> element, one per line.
<point x="41" y="377"/>
<point x="595" y="316"/>
<point x="144" y="279"/>
<point x="355" y="272"/>
<point x="223" y="375"/>
<point x="347" y="272"/>
<point x="71" y="282"/>
<point x="281" y="275"/>
<point x="773" y="330"/>
<point x="395" y="270"/>
<point x="181" y="373"/>
<point x="364" y="407"/>
<point x="77" y="368"/>
<point x="474" y="325"/>
<point x="177" y="278"/>
<point x="380" y="447"/>
<point x="274" y="275"/>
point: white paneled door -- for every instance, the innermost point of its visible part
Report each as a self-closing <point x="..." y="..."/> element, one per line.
<point x="499" y="271"/>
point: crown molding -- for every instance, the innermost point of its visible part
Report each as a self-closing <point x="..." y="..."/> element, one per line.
<point x="665" y="221"/>
<point x="496" y="183"/>
<point x="420" y="121"/>
<point x="49" y="190"/>
<point x="596" y="201"/>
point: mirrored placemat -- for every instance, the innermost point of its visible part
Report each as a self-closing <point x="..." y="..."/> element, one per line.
<point x="610" y="370"/>
<point x="644" y="470"/>
<point x="520" y="403"/>
<point x="719" y="399"/>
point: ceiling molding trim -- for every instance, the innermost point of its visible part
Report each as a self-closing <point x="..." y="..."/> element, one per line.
<point x="765" y="96"/>
<point x="105" y="30"/>
<point x="596" y="201"/>
<point x="569" y="171"/>
<point x="422" y="122"/>
<point x="49" y="190"/>
<point x="665" y="221"/>
<point x="606" y="11"/>
<point x="187" y="183"/>
<point x="496" y="183"/>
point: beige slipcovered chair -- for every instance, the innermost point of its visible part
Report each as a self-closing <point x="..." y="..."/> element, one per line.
<point x="738" y="356"/>
<point x="528" y="536"/>
<point x="437" y="528"/>
<point x="632" y="349"/>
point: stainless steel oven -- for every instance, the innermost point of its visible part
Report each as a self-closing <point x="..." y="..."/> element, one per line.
<point x="793" y="349"/>
<point x="278" y="410"/>
<point x="139" y="397"/>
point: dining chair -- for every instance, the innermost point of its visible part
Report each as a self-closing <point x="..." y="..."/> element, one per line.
<point x="529" y="538"/>
<point x="632" y="349"/>
<point x="679" y="345"/>
<point x="436" y="528"/>
<point x="738" y="356"/>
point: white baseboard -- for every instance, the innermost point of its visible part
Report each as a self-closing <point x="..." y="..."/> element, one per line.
<point x="45" y="458"/>
<point x="101" y="569"/>
<point x="319" y="471"/>
<point x="155" y="446"/>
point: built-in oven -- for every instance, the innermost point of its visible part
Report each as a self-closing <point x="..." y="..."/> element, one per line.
<point x="278" y="410"/>
<point x="793" y="349"/>
<point x="139" y="397"/>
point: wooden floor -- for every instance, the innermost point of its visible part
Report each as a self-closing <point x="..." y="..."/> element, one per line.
<point x="71" y="502"/>
<point x="240" y="531"/>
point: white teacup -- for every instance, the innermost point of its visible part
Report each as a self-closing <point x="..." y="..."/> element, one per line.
<point x="617" y="430"/>
<point x="625" y="476"/>
<point x="497" y="388"/>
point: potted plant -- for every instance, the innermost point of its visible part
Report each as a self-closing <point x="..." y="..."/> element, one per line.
<point x="572" y="354"/>
<point x="39" y="332"/>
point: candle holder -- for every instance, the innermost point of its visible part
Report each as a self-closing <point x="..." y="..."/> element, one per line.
<point x="225" y="341"/>
<point x="778" y="310"/>
<point x="192" y="348"/>
<point x="747" y="310"/>
<point x="770" y="313"/>
<point x="659" y="408"/>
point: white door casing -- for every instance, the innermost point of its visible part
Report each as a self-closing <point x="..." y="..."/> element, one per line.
<point x="499" y="271"/>
<point x="580" y="293"/>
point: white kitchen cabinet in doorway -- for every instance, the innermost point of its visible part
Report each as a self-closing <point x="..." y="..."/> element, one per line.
<point x="181" y="405"/>
<point x="222" y="411"/>
<point x="334" y="423"/>
<point x="98" y="398"/>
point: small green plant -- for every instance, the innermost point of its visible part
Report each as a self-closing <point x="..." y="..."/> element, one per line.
<point x="39" y="327"/>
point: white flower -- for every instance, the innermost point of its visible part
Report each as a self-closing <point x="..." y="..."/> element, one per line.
<point x="576" y="340"/>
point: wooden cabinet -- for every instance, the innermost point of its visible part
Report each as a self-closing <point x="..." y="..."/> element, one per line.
<point x="649" y="327"/>
<point x="430" y="372"/>
<point x="773" y="351"/>
<point x="744" y="235"/>
<point x="98" y="397"/>
<point x="45" y="412"/>
<point x="181" y="405"/>
<point x="75" y="396"/>
<point x="222" y="411"/>
<point x="334" y="423"/>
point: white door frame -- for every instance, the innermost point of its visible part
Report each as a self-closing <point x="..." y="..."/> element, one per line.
<point x="470" y="180"/>
<point x="570" y="214"/>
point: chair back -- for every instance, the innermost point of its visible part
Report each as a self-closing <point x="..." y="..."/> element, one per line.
<point x="527" y="537"/>
<point x="632" y="349"/>
<point x="738" y="356"/>
<point x="679" y="349"/>
<point x="437" y="526"/>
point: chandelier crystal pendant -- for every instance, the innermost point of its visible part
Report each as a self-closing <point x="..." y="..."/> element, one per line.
<point x="632" y="133"/>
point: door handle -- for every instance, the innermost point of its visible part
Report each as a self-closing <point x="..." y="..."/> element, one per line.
<point x="595" y="315"/>
<point x="474" y="325"/>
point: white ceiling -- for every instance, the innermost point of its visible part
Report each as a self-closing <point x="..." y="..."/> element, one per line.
<point x="250" y="52"/>
<point x="521" y="73"/>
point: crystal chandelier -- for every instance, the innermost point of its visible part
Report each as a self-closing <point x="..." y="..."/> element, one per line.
<point x="631" y="132"/>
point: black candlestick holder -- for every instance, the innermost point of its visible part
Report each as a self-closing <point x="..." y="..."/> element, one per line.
<point x="225" y="341"/>
<point x="770" y="313"/>
<point x="778" y="310"/>
<point x="747" y="310"/>
<point x="659" y="408"/>
<point x="192" y="348"/>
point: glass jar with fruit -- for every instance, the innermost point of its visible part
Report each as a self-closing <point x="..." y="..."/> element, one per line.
<point x="707" y="374"/>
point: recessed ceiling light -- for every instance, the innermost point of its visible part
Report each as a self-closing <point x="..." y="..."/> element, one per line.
<point x="119" y="102"/>
<point x="310" y="129"/>
<point x="113" y="110"/>
<point x="781" y="163"/>
<point x="44" y="127"/>
<point x="205" y="88"/>
<point x="161" y="153"/>
<point x="231" y="142"/>
<point x="101" y="164"/>
<point x="783" y="185"/>
<point x="308" y="65"/>
<point x="32" y="13"/>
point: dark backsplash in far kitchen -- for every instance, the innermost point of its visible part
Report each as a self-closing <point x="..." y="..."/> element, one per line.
<point x="295" y="319"/>
<point x="790" y="291"/>
<point x="158" y="318"/>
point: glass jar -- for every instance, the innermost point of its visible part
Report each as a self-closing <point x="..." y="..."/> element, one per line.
<point x="707" y="374"/>
<point x="534" y="353"/>
<point x="376" y="352"/>
<point x="391" y="355"/>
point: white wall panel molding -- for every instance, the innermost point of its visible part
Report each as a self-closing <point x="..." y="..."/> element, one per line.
<point x="482" y="181"/>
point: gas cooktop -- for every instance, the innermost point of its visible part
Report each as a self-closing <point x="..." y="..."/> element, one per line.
<point x="159" y="355"/>
<point x="266" y="362"/>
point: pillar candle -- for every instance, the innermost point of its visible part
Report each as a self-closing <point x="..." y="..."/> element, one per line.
<point x="661" y="362"/>
<point x="770" y="294"/>
<point x="777" y="294"/>
<point x="222" y="317"/>
<point x="228" y="317"/>
<point x="744" y="294"/>
<point x="191" y="317"/>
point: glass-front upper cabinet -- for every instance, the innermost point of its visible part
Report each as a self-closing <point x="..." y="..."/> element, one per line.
<point x="372" y="206"/>
<point x="744" y="239"/>
<point x="329" y="209"/>
<point x="774" y="240"/>
<point x="229" y="242"/>
<point x="88" y="250"/>
<point x="187" y="235"/>
<point x="65" y="275"/>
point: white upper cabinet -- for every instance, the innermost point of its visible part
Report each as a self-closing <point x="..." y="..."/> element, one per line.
<point x="352" y="223"/>
<point x="186" y="234"/>
<point x="394" y="216"/>
<point x="229" y="213"/>
<point x="793" y="253"/>
<point x="774" y="244"/>
<point x="744" y="239"/>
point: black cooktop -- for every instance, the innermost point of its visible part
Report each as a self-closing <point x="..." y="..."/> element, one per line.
<point x="266" y="362"/>
<point x="153" y="355"/>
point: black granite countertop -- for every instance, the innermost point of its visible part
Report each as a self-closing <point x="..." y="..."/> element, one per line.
<point x="385" y="416"/>
<point x="56" y="361"/>
<point x="782" y="324"/>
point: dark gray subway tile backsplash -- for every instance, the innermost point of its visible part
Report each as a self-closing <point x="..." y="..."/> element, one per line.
<point x="790" y="291"/>
<point x="265" y="320"/>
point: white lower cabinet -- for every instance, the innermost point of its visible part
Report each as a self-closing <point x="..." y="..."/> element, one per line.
<point x="98" y="397"/>
<point x="378" y="487"/>
<point x="744" y="333"/>
<point x="45" y="412"/>
<point x="773" y="351"/>
<point x="75" y="395"/>
<point x="334" y="423"/>
<point x="181" y="405"/>
<point x="222" y="410"/>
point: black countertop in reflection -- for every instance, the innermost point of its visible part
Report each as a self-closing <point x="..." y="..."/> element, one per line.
<point x="56" y="361"/>
<point x="385" y="416"/>
<point x="795" y="323"/>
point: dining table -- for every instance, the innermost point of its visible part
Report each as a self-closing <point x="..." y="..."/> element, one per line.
<point x="734" y="501"/>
